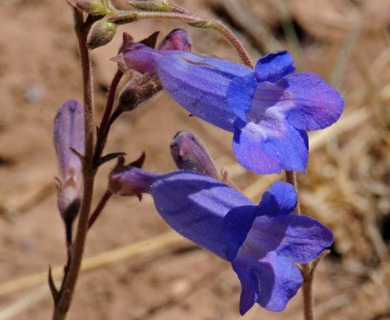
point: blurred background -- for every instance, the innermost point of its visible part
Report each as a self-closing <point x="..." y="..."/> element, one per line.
<point x="135" y="267"/>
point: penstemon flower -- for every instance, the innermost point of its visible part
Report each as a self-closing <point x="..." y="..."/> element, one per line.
<point x="262" y="242"/>
<point x="268" y="109"/>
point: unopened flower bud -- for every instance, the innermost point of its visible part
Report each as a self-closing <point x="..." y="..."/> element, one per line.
<point x="139" y="89"/>
<point x="191" y="155"/>
<point x="68" y="134"/>
<point x="101" y="34"/>
<point x="96" y="7"/>
<point x="151" y="5"/>
<point x="177" y="39"/>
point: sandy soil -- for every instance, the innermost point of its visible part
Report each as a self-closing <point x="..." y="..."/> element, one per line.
<point x="346" y="185"/>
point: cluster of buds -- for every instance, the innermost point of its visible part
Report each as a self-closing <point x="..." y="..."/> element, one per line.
<point x="103" y="31"/>
<point x="105" y="28"/>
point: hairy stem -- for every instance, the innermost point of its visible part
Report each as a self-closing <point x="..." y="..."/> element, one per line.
<point x="233" y="40"/>
<point x="72" y="269"/>
<point x="190" y="18"/>
<point x="306" y="268"/>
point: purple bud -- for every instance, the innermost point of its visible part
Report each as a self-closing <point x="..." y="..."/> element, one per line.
<point x="68" y="134"/>
<point x="177" y="39"/>
<point x="128" y="180"/>
<point x="191" y="155"/>
<point x="101" y="34"/>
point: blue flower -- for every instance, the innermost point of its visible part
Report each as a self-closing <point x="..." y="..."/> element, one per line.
<point x="268" y="109"/>
<point x="262" y="242"/>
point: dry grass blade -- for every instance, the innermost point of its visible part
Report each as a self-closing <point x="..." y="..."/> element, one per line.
<point x="26" y="302"/>
<point x="165" y="241"/>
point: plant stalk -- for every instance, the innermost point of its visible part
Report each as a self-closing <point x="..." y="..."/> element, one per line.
<point x="190" y="18"/>
<point x="306" y="268"/>
<point x="72" y="269"/>
<point x="105" y="123"/>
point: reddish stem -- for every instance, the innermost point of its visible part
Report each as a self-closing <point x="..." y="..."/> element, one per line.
<point x="72" y="269"/>
<point x="102" y="203"/>
<point x="105" y="123"/>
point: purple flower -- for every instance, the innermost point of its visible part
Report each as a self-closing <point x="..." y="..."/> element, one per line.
<point x="68" y="132"/>
<point x="262" y="242"/>
<point x="268" y="109"/>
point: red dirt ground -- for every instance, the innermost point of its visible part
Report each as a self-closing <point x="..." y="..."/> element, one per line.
<point x="346" y="185"/>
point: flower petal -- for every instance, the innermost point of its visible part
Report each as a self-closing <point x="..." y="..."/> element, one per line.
<point x="205" y="211"/>
<point x="274" y="66"/>
<point x="265" y="263"/>
<point x="240" y="95"/>
<point x="310" y="102"/>
<point x="271" y="281"/>
<point x="304" y="239"/>
<point x="200" y="84"/>
<point x="297" y="237"/>
<point x="280" y="198"/>
<point x="270" y="147"/>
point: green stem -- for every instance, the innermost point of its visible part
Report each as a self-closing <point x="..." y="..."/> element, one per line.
<point x="72" y="269"/>
<point x="306" y="268"/>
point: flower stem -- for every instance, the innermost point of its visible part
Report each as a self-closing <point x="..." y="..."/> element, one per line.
<point x="291" y="178"/>
<point x="190" y="18"/>
<point x="233" y="40"/>
<point x="306" y="268"/>
<point x="96" y="213"/>
<point x="105" y="123"/>
<point x="72" y="269"/>
<point x="307" y="288"/>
